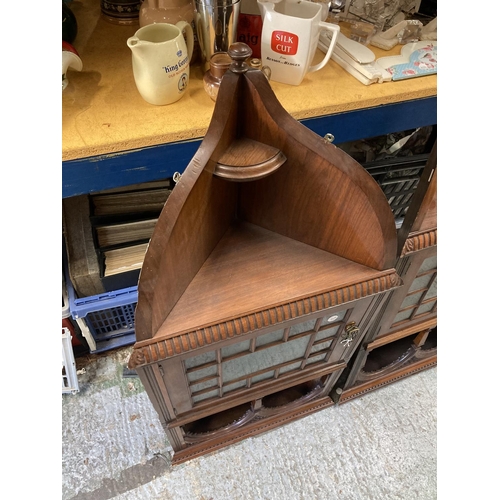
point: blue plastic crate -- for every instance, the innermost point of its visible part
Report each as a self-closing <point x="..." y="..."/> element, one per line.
<point x="109" y="317"/>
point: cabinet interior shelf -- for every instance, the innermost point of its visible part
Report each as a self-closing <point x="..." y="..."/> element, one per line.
<point x="252" y="268"/>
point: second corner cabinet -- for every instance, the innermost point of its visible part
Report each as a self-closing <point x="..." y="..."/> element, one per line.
<point x="403" y="339"/>
<point x="265" y="269"/>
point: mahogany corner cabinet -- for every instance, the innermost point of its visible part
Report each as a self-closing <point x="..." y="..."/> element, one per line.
<point x="403" y="339"/>
<point x="266" y="268"/>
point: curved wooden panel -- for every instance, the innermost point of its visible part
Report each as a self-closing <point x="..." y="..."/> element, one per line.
<point x="399" y="357"/>
<point x="268" y="409"/>
<point x="194" y="218"/>
<point x="320" y="196"/>
<point x="215" y="426"/>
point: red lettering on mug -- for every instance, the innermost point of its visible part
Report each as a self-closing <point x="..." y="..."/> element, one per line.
<point x="249" y="32"/>
<point x="284" y="42"/>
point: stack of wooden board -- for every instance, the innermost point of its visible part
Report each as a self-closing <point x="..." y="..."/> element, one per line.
<point x="107" y="234"/>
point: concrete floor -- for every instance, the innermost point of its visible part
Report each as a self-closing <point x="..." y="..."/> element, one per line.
<point x="381" y="446"/>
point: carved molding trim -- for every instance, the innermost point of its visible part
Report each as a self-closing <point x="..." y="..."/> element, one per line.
<point x="366" y="387"/>
<point x="253" y="428"/>
<point x="159" y="350"/>
<point x="251" y="414"/>
<point x="136" y="359"/>
<point x="419" y="241"/>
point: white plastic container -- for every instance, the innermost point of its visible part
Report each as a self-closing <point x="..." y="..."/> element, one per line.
<point x="69" y="377"/>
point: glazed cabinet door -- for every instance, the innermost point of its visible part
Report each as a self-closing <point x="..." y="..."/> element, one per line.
<point x="405" y="333"/>
<point x="416" y="301"/>
<point x="257" y="364"/>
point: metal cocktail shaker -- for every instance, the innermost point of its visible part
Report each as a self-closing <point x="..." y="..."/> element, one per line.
<point x="216" y="24"/>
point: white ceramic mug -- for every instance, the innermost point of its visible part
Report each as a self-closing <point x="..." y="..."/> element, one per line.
<point x="160" y="61"/>
<point x="290" y="34"/>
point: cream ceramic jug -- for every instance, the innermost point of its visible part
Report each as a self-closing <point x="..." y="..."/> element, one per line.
<point x="290" y="34"/>
<point x="160" y="61"/>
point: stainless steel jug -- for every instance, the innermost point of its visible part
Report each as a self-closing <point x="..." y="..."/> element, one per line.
<point x="216" y="24"/>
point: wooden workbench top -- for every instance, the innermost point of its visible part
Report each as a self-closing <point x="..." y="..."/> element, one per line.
<point x="102" y="111"/>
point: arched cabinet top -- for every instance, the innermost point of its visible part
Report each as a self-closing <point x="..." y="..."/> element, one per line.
<point x="267" y="214"/>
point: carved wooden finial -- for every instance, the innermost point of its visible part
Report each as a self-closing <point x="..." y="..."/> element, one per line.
<point x="239" y="53"/>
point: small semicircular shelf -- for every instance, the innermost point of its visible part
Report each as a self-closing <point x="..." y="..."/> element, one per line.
<point x="247" y="160"/>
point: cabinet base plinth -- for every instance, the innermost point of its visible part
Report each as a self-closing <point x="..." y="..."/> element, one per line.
<point x="252" y="429"/>
<point x="406" y="371"/>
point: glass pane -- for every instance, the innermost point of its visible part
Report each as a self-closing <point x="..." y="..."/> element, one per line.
<point x="315" y="359"/>
<point x="205" y="372"/>
<point x="411" y="300"/>
<point x="204" y="385"/>
<point x="206" y="357"/>
<point x="302" y="327"/>
<point x="269" y="337"/>
<point x="262" y="376"/>
<point x="427" y="264"/>
<point x="232" y="349"/>
<point x="402" y="316"/>
<point x="234" y="386"/>
<point x="327" y="333"/>
<point x="207" y="395"/>
<point x="420" y="283"/>
<point x="290" y="367"/>
<point x="320" y="347"/>
<point x="432" y="290"/>
<point x="426" y="307"/>
<point x="266" y="358"/>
